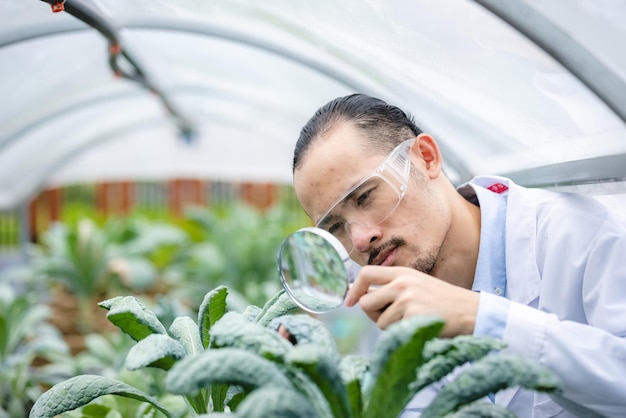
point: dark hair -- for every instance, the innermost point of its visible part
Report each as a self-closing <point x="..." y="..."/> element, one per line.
<point x="383" y="125"/>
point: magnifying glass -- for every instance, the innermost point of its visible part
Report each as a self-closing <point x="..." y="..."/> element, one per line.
<point x="315" y="269"/>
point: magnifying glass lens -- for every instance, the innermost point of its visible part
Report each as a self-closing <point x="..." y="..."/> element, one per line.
<point x="313" y="271"/>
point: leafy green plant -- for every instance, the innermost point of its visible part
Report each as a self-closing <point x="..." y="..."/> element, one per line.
<point x="234" y="245"/>
<point x="75" y="256"/>
<point x="100" y="261"/>
<point x="227" y="363"/>
<point x="25" y="340"/>
<point x="158" y="241"/>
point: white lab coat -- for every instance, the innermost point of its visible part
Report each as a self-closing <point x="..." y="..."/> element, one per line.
<point x="566" y="278"/>
<point x="566" y="254"/>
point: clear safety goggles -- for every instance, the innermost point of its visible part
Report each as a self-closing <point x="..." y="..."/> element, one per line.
<point x="372" y="199"/>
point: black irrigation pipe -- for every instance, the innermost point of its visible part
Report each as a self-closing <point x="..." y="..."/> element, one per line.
<point x="92" y="17"/>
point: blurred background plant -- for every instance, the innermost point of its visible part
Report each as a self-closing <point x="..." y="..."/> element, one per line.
<point x="235" y="245"/>
<point x="27" y="341"/>
<point x="35" y="353"/>
<point x="86" y="262"/>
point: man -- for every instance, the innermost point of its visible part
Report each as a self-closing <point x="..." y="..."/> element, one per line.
<point x="543" y="271"/>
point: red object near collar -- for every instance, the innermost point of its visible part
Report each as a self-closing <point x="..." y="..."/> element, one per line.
<point x="498" y="188"/>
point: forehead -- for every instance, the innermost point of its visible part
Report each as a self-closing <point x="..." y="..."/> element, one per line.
<point x="332" y="165"/>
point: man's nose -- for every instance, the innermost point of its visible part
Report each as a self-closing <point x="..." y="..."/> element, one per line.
<point x="362" y="236"/>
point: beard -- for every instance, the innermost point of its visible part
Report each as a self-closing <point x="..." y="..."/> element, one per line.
<point x="423" y="262"/>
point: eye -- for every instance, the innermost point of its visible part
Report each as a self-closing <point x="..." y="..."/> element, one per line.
<point x="364" y="198"/>
<point x="335" y="227"/>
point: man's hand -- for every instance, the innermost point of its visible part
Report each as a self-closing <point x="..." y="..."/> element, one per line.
<point x="389" y="294"/>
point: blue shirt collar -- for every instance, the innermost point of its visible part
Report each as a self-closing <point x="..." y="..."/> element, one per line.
<point x="490" y="273"/>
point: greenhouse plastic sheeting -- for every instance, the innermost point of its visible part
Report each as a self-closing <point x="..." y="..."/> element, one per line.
<point x="246" y="75"/>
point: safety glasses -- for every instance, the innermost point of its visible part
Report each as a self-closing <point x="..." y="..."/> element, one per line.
<point x="371" y="200"/>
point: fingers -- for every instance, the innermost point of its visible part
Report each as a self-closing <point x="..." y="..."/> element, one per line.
<point x="376" y="294"/>
<point x="376" y="302"/>
<point x="389" y="316"/>
<point x="371" y="277"/>
<point x="388" y="294"/>
<point x="387" y="303"/>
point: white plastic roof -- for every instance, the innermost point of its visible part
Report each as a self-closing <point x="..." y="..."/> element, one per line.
<point x="245" y="76"/>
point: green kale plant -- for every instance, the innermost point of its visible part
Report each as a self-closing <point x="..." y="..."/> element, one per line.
<point x="93" y="261"/>
<point x="28" y="345"/>
<point x="233" y="244"/>
<point x="277" y="362"/>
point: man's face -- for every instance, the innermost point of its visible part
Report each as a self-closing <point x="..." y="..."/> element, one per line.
<point x="414" y="232"/>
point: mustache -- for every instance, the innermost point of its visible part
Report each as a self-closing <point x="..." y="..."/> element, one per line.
<point x="393" y="242"/>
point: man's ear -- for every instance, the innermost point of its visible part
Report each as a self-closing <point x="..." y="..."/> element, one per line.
<point x="426" y="148"/>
